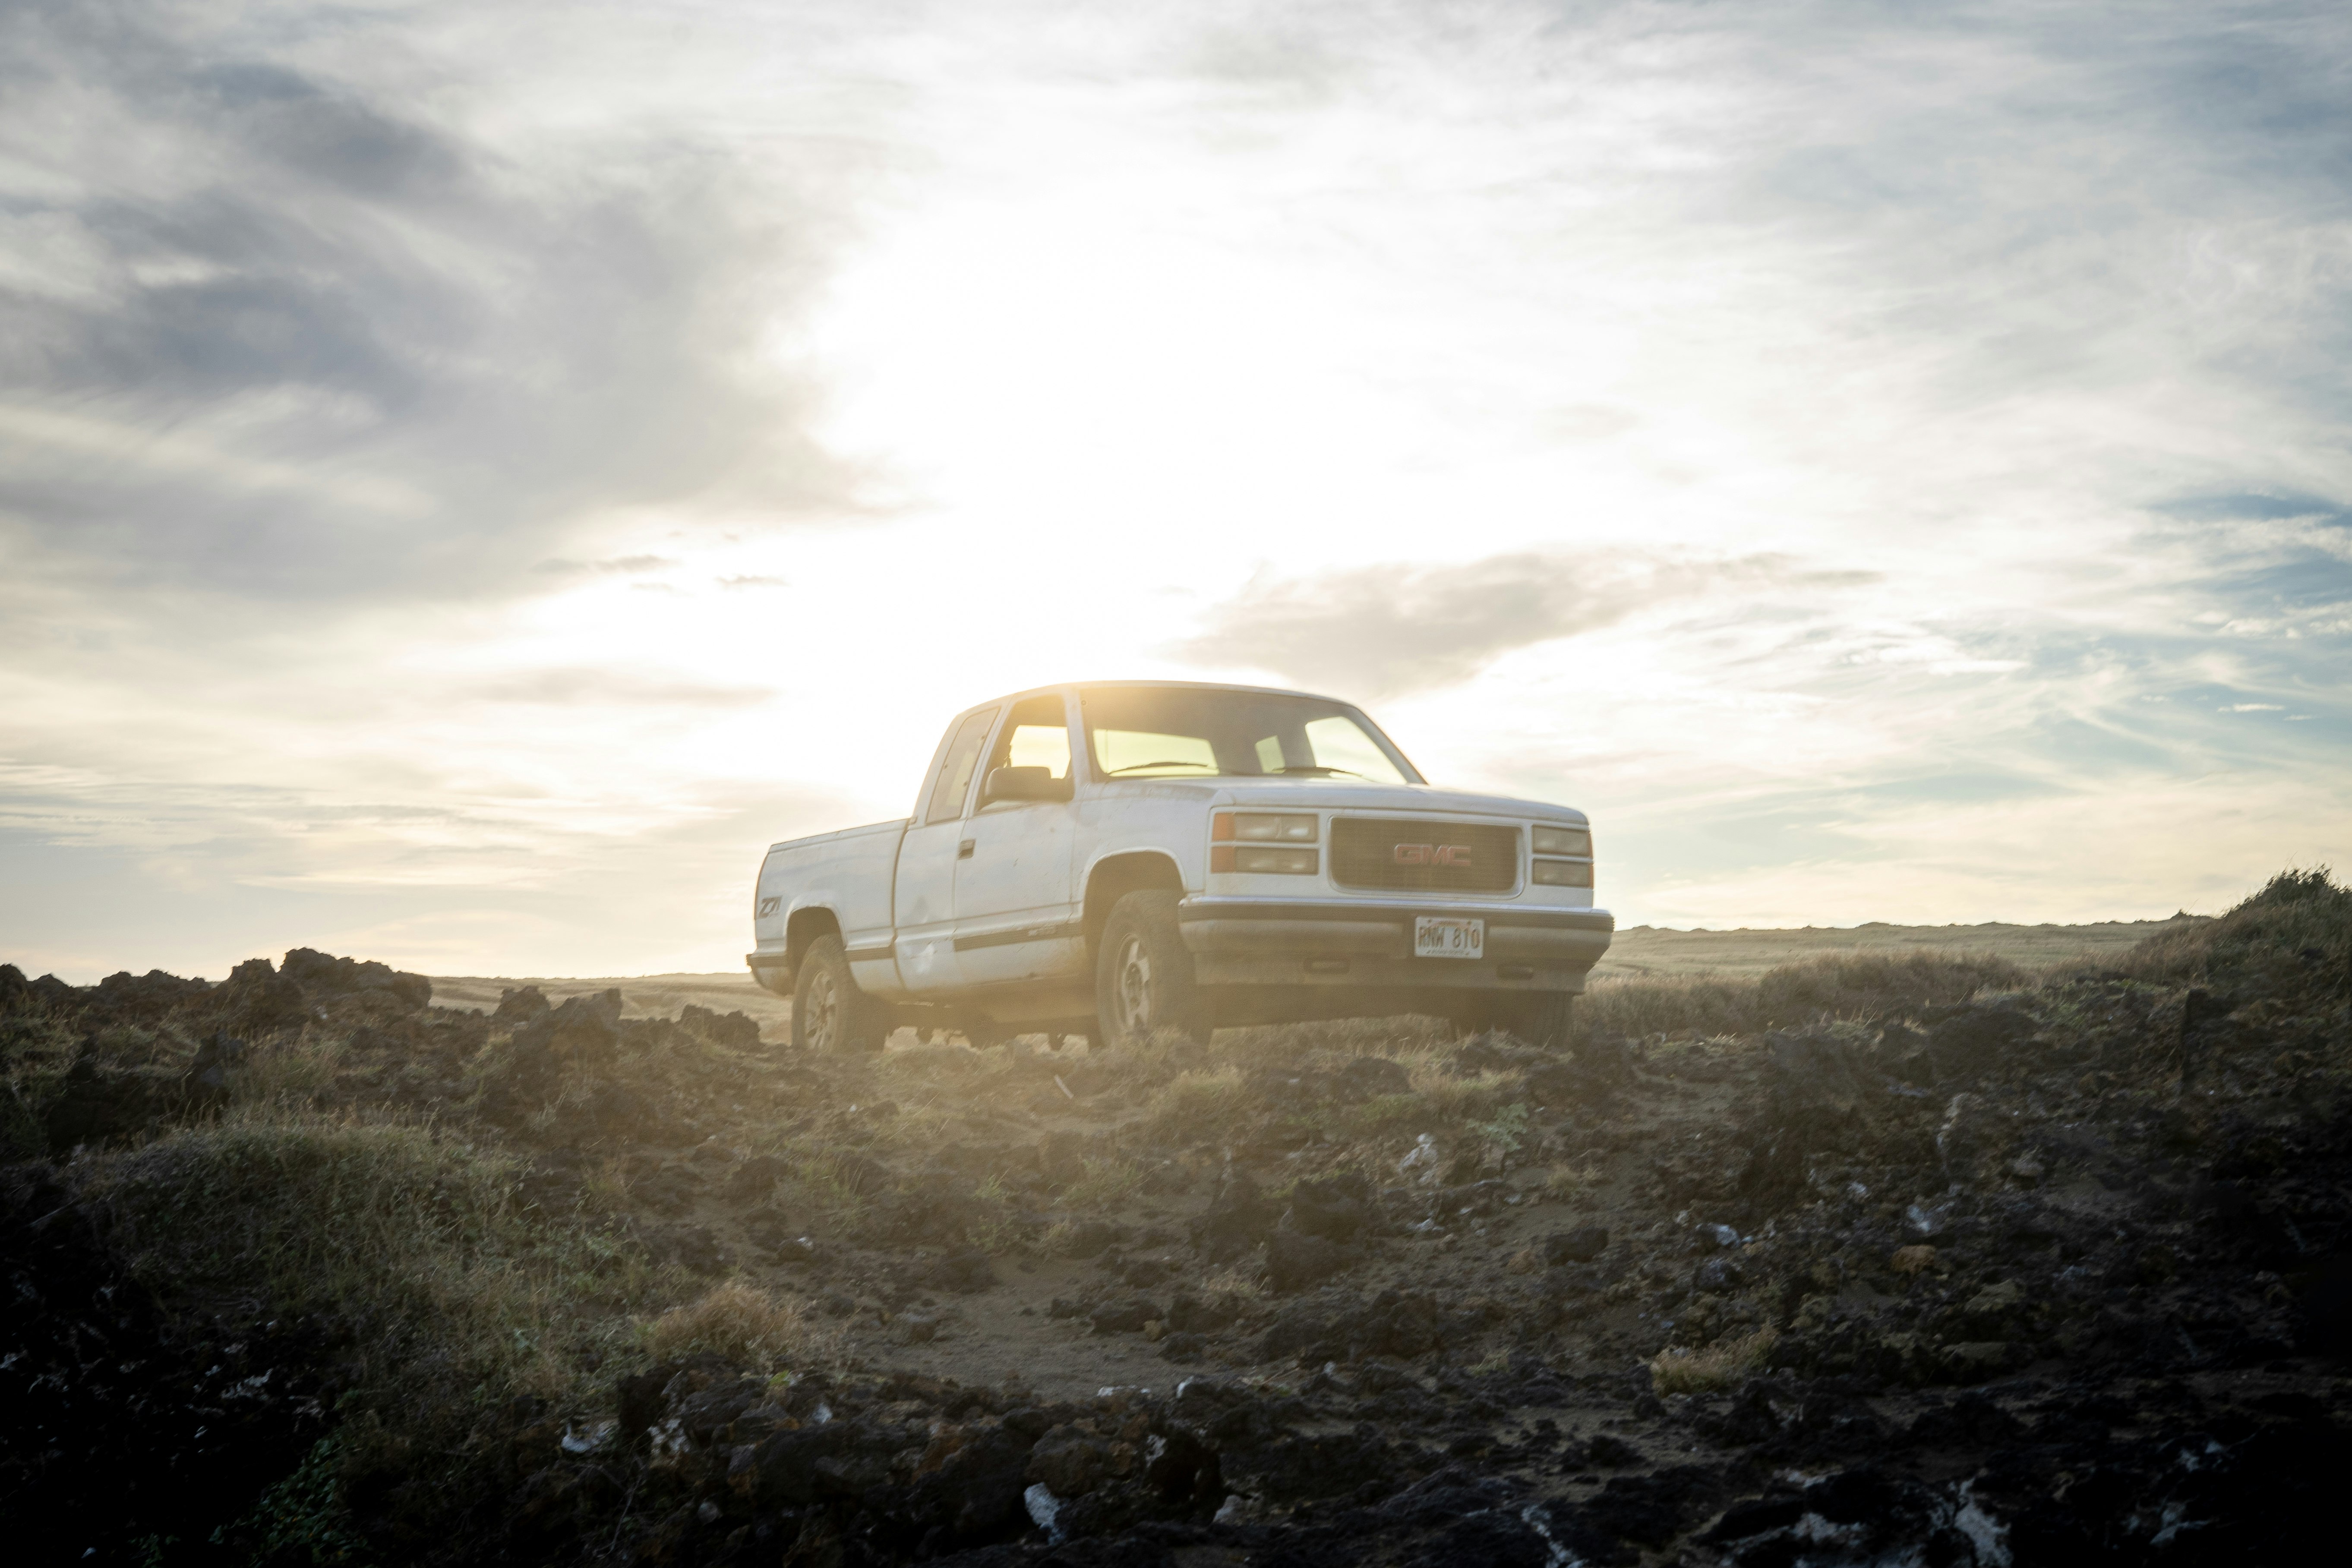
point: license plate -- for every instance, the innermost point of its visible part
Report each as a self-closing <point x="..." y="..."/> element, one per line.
<point x="1434" y="936"/>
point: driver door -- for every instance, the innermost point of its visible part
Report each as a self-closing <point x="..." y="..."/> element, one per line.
<point x="923" y="887"/>
<point x="1016" y="910"/>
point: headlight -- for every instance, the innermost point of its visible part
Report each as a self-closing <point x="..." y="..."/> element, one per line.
<point x="1261" y="861"/>
<point x="1562" y="841"/>
<point x="1562" y="874"/>
<point x="1263" y="827"/>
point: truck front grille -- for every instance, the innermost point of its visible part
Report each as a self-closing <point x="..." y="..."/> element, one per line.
<point x="1423" y="857"/>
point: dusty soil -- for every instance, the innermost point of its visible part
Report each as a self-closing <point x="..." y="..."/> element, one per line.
<point x="2044" y="1275"/>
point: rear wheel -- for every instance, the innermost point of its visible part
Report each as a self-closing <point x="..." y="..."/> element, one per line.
<point x="1539" y="1017"/>
<point x="1143" y="975"/>
<point x="829" y="1012"/>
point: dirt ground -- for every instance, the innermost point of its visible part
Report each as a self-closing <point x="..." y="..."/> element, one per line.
<point x="1969" y="1264"/>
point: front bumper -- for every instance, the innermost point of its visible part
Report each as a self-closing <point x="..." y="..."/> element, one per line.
<point x="1362" y="942"/>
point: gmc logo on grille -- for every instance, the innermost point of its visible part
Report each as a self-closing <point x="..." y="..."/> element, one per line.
<point x="1431" y="854"/>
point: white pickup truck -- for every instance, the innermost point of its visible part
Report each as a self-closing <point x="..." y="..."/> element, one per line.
<point x="1112" y="859"/>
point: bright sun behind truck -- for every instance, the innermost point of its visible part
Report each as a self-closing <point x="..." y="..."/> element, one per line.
<point x="1109" y="860"/>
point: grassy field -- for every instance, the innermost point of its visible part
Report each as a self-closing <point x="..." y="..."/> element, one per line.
<point x="1638" y="952"/>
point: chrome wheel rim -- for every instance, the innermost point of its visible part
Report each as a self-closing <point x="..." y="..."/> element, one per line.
<point x="823" y="1012"/>
<point x="1134" y="988"/>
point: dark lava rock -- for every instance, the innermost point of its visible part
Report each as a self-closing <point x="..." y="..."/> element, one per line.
<point x="1335" y="1207"/>
<point x="1189" y="1314"/>
<point x="1652" y="1509"/>
<point x="1237" y="1218"/>
<point x="1869" y="1516"/>
<point x="519" y="1005"/>
<point x="1183" y="1348"/>
<point x="207" y="1083"/>
<point x="95" y="1104"/>
<point x="1393" y="1323"/>
<point x="256" y="997"/>
<point x="322" y="974"/>
<point x="1716" y="1277"/>
<point x="1125" y="1315"/>
<point x="1608" y="1453"/>
<point x="1366" y="1077"/>
<point x="1069" y="1461"/>
<point x="121" y="1426"/>
<point x="1581" y="1244"/>
<point x="736" y="1029"/>
<point x="1294" y="1262"/>
<point x="1978" y="1038"/>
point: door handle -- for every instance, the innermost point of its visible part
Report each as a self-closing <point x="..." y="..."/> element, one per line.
<point x="964" y="850"/>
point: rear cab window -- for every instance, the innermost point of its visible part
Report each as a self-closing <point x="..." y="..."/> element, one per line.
<point x="951" y="784"/>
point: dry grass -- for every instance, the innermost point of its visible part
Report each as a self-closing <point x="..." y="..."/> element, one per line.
<point x="1108" y="1182"/>
<point x="743" y="1323"/>
<point x="1192" y="1102"/>
<point x="1719" y="1365"/>
<point x="382" y="1225"/>
<point x="1854" y="986"/>
<point x="2295" y="913"/>
<point x="1568" y="1181"/>
<point x="35" y="1053"/>
<point x="1231" y="1281"/>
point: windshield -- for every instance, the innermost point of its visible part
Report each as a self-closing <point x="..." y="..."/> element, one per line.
<point x="1178" y="732"/>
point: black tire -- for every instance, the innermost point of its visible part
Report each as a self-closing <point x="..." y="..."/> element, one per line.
<point x="1143" y="974"/>
<point x="829" y="1012"/>
<point x="1539" y="1017"/>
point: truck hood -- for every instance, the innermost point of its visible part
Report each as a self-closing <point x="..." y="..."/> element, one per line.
<point x="1339" y="794"/>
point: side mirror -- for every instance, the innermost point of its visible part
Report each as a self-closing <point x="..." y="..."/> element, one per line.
<point x="1024" y="783"/>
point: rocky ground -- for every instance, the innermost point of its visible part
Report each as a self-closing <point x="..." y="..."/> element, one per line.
<point x="303" y="1268"/>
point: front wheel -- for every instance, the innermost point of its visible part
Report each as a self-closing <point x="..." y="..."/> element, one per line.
<point x="829" y="1012"/>
<point x="1143" y="975"/>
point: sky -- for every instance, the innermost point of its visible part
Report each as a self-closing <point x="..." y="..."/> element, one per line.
<point x="472" y="476"/>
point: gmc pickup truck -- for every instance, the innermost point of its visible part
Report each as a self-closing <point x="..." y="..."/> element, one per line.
<point x="1108" y="860"/>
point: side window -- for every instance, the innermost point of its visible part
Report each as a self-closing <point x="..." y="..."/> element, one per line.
<point x="954" y="780"/>
<point x="1036" y="735"/>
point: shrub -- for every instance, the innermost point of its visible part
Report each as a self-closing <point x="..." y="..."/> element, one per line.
<point x="403" y="1237"/>
<point x="738" y="1322"/>
<point x="1856" y="986"/>
<point x="1678" y="1371"/>
<point x="2296" y="912"/>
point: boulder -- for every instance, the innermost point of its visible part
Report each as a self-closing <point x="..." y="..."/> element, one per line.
<point x="1979" y="1038"/>
<point x="1294" y="1262"/>
<point x="1238" y="1217"/>
<point x="1581" y="1244"/>
<point x="1125" y="1315"/>
<point x="1335" y="1207"/>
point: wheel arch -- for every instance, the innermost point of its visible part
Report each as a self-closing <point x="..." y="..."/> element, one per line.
<point x="1114" y="877"/>
<point x="803" y="927"/>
